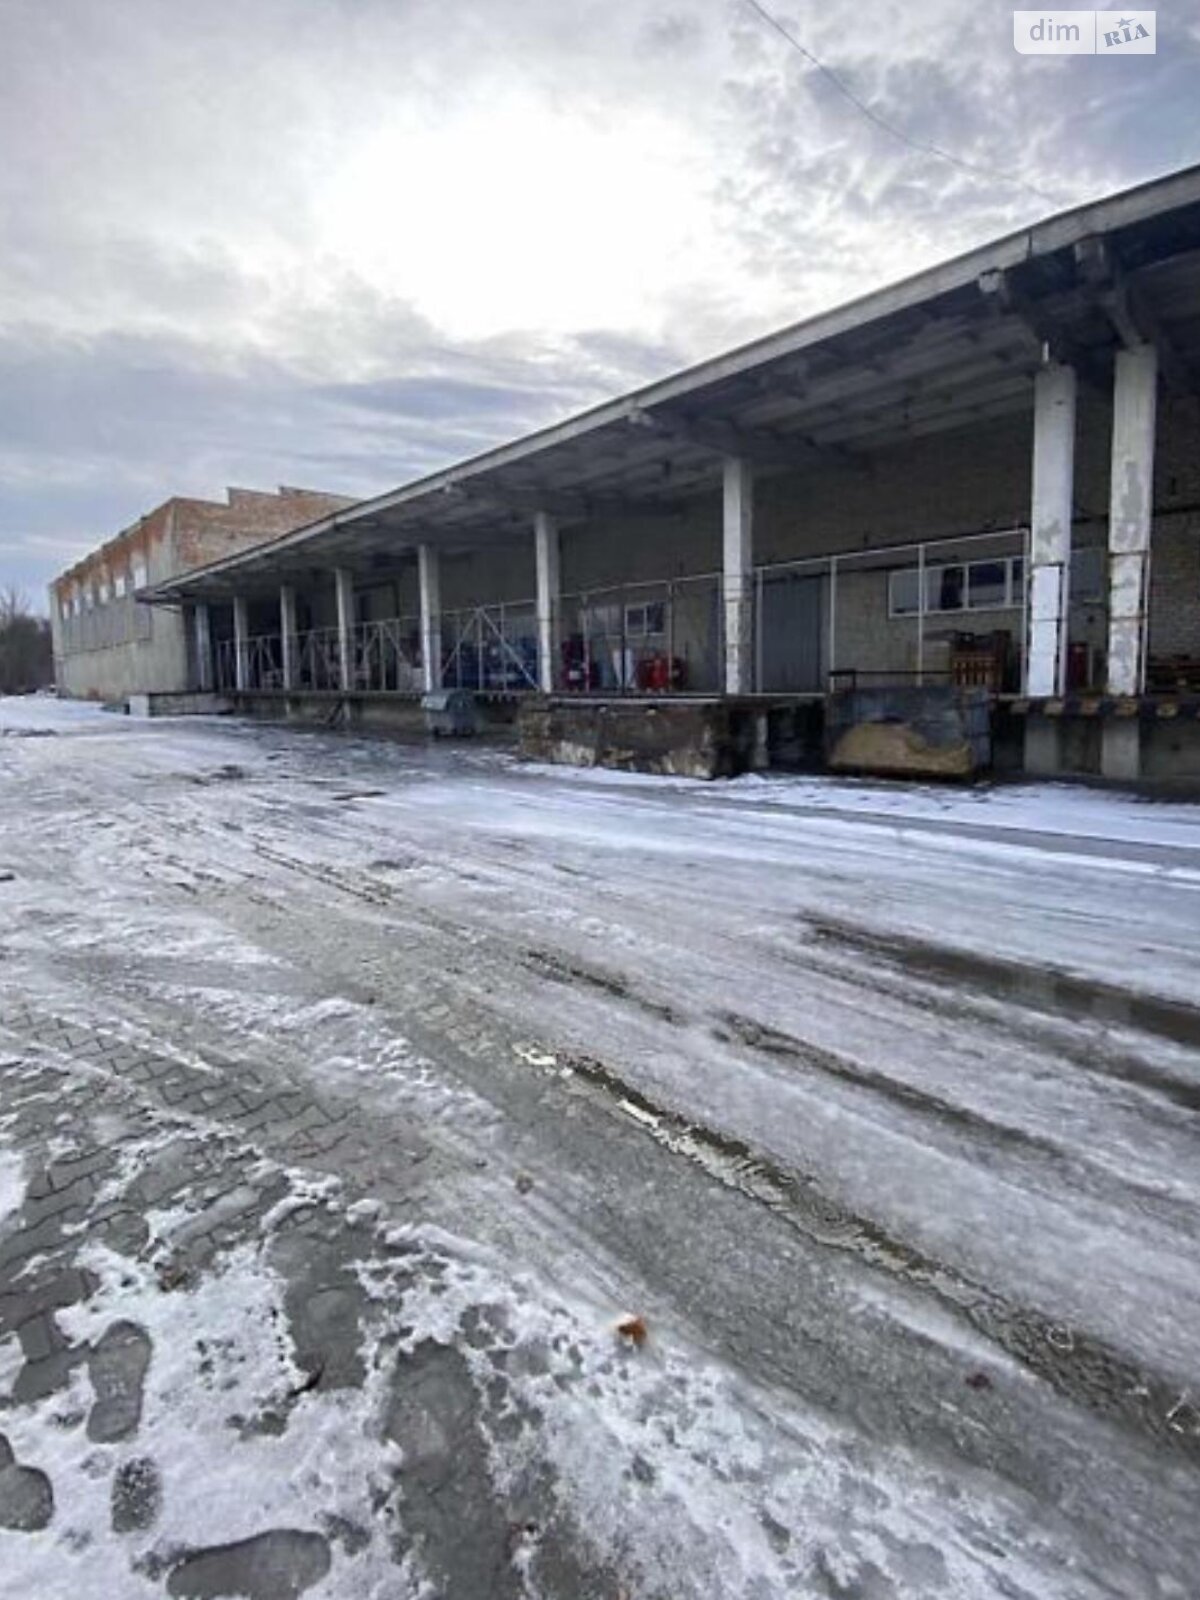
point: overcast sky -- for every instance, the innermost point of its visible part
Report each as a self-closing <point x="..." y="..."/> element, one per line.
<point x="337" y="243"/>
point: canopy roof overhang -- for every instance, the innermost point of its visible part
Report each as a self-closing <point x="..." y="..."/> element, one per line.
<point x="948" y="348"/>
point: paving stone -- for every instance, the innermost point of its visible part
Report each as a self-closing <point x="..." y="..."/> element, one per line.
<point x="41" y="1337"/>
<point x="57" y="1287"/>
<point x="259" y="1119"/>
<point x="77" y="1193"/>
<point x="123" y="1230"/>
<point x="39" y="1379"/>
<point x="41" y="1239"/>
<point x="66" y="1170"/>
<point x="39" y="1185"/>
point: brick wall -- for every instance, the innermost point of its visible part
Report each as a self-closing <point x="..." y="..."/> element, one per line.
<point x="1175" y="586"/>
<point x="207" y="531"/>
<point x="109" y="645"/>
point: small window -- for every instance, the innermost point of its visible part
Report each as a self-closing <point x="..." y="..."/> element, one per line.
<point x="644" y="621"/>
<point x="604" y="619"/>
<point x="904" y="595"/>
<point x="139" y="575"/>
<point x="987" y="585"/>
<point x="945" y="588"/>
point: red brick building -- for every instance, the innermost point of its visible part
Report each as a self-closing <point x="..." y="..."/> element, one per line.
<point x="107" y="644"/>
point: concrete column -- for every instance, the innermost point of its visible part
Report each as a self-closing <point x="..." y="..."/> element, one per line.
<point x="1135" y="396"/>
<point x="1050" y="530"/>
<point x="549" y="587"/>
<point x="429" y="572"/>
<point x="287" y="634"/>
<point x="202" y="623"/>
<point x="739" y="576"/>
<point x="1043" y="747"/>
<point x="1121" y="749"/>
<point x="344" y="580"/>
<point x="241" y="652"/>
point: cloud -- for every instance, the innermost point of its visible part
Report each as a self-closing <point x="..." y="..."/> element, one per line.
<point x="344" y="242"/>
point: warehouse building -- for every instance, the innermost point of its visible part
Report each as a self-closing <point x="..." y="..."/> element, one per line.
<point x="108" y="644"/>
<point x="983" y="480"/>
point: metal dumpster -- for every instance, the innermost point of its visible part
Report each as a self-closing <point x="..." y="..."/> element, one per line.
<point x="450" y="713"/>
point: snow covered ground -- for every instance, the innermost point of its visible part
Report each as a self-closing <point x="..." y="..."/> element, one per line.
<point x="352" y="1092"/>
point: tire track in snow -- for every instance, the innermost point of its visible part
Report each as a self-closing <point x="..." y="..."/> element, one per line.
<point x="1079" y="1366"/>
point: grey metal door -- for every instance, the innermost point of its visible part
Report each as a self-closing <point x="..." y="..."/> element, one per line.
<point x="790" y="648"/>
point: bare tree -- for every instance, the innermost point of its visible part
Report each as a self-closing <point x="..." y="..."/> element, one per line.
<point x="26" y="652"/>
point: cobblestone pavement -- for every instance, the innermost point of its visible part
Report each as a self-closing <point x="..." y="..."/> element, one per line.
<point x="333" y="1156"/>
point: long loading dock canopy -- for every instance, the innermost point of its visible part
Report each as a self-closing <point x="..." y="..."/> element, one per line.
<point x="946" y="348"/>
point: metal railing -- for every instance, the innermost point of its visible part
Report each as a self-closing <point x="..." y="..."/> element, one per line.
<point x="491" y="649"/>
<point x="385" y="657"/>
<point x="840" y="609"/>
<point x="318" y="659"/>
<point x="953" y="608"/>
<point x="655" y="638"/>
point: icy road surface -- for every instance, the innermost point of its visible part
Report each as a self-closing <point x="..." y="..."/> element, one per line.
<point x="351" y="1093"/>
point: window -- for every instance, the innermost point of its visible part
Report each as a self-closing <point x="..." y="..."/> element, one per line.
<point x="993" y="584"/>
<point x="945" y="588"/>
<point x="119" y="585"/>
<point x="604" y="620"/>
<point x="643" y="621"/>
<point x="139" y="575"/>
<point x="987" y="588"/>
<point x="905" y="587"/>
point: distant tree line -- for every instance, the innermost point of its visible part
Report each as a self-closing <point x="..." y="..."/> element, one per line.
<point x="26" y="651"/>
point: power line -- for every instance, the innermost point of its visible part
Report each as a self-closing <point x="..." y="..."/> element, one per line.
<point x="872" y="115"/>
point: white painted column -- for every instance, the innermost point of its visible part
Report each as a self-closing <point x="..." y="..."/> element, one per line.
<point x="429" y="573"/>
<point x="549" y="585"/>
<point x="241" y="634"/>
<point x="287" y="634"/>
<point x="1135" y="399"/>
<point x="344" y="581"/>
<point x="1050" y="529"/>
<point x="202" y="623"/>
<point x="739" y="576"/>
